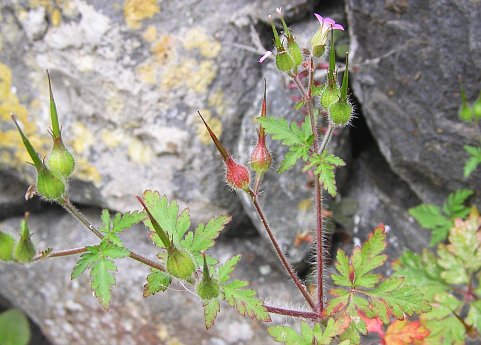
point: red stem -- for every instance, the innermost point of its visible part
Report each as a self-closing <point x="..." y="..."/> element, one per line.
<point x="281" y="255"/>
<point x="294" y="313"/>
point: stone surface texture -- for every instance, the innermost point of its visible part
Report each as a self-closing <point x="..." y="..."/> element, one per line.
<point x="408" y="57"/>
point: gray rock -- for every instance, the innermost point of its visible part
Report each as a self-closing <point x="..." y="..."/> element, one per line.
<point x="407" y="58"/>
<point x="67" y="313"/>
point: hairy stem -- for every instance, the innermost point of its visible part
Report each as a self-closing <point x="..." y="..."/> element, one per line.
<point x="326" y="138"/>
<point x="60" y="253"/>
<point x="81" y="218"/>
<point x="279" y="252"/>
<point x="294" y="313"/>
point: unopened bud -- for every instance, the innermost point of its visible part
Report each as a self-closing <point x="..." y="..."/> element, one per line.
<point x="330" y="95"/>
<point x="340" y="113"/>
<point x="208" y="287"/>
<point x="261" y="159"/>
<point x="7" y="243"/>
<point x="179" y="263"/>
<point x="48" y="185"/>
<point x="237" y="175"/>
<point x="284" y="61"/>
<point x="24" y="250"/>
<point x="60" y="162"/>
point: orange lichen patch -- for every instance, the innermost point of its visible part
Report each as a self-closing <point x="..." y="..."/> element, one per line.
<point x="150" y="34"/>
<point x="214" y="123"/>
<point x="196" y="38"/>
<point x="135" y="11"/>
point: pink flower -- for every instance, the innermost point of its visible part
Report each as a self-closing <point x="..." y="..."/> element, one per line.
<point x="265" y="56"/>
<point x="328" y="24"/>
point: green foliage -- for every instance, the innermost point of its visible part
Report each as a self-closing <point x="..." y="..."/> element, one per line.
<point x="211" y="309"/>
<point x="362" y="291"/>
<point x="323" y="166"/>
<point x="100" y="260"/>
<point x="14" y="328"/>
<point x="298" y="138"/>
<point x="473" y="161"/>
<point x="244" y="301"/>
<point x="7" y="243"/>
<point x="332" y="329"/>
<point x="448" y="279"/>
<point x="440" y="220"/>
<point x="157" y="281"/>
<point x="111" y="228"/>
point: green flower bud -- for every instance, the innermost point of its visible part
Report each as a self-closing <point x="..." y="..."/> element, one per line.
<point x="48" y="185"/>
<point x="24" y="250"/>
<point x="330" y="95"/>
<point x="179" y="263"/>
<point x="60" y="162"/>
<point x="340" y="113"/>
<point x="7" y="243"/>
<point x="284" y="61"/>
<point x="208" y="287"/>
<point x="294" y="51"/>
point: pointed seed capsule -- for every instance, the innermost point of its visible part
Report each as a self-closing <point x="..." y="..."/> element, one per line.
<point x="340" y="113"/>
<point x="179" y="263"/>
<point x="208" y="287"/>
<point x="261" y="159"/>
<point x="49" y="186"/>
<point x="61" y="161"/>
<point x="24" y="250"/>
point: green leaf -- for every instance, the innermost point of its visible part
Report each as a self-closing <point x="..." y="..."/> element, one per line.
<point x="474" y="315"/>
<point x="288" y="336"/>
<point x="211" y="309"/>
<point x="333" y="329"/>
<point x="445" y="327"/>
<point x="323" y="166"/>
<point x="423" y="271"/>
<point x="245" y="301"/>
<point x="7" y="243"/>
<point x="99" y="260"/>
<point x="430" y="217"/>
<point x="473" y="161"/>
<point x="204" y="236"/>
<point x="111" y="228"/>
<point x="298" y="138"/>
<point x="167" y="215"/>
<point x="227" y="268"/>
<point x="14" y="328"/>
<point x="102" y="280"/>
<point x="157" y="281"/>
<point x="455" y="207"/>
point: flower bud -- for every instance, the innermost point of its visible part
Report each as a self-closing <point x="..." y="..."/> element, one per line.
<point x="330" y="95"/>
<point x="237" y="175"/>
<point x="208" y="287"/>
<point x="284" y="61"/>
<point x="319" y="40"/>
<point x="60" y="162"/>
<point x="179" y="263"/>
<point x="24" y="250"/>
<point x="340" y="113"/>
<point x="261" y="158"/>
<point x="7" y="243"/>
<point x="48" y="185"/>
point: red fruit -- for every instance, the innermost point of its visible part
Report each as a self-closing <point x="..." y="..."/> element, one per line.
<point x="237" y="175"/>
<point x="261" y="158"/>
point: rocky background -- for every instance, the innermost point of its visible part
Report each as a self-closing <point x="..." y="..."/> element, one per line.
<point x="128" y="78"/>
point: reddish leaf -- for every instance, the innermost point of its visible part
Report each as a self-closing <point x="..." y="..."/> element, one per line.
<point x="405" y="333"/>
<point x="373" y="325"/>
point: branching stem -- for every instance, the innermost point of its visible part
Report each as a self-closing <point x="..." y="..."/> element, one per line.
<point x="82" y="219"/>
<point x="60" y="253"/>
<point x="279" y="252"/>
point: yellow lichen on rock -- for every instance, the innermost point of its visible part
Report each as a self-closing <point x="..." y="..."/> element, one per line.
<point x="150" y="34"/>
<point x="196" y="38"/>
<point x="111" y="138"/>
<point x="86" y="171"/>
<point x="214" y="123"/>
<point x="216" y="100"/>
<point x="10" y="139"/>
<point x="162" y="49"/>
<point x="82" y="138"/>
<point x="304" y="205"/>
<point x="147" y="72"/>
<point x="201" y="76"/>
<point x="139" y="152"/>
<point x="135" y="11"/>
